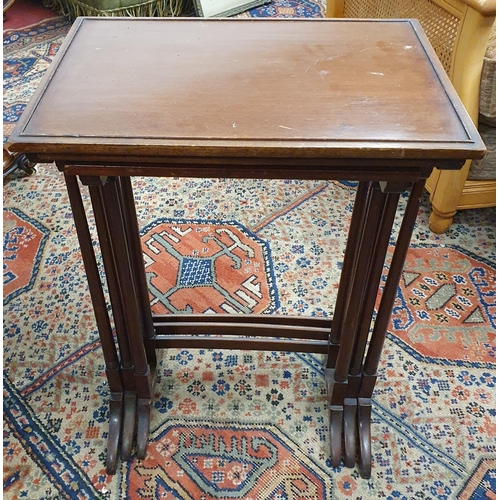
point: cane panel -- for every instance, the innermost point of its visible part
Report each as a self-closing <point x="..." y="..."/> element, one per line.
<point x="440" y="26"/>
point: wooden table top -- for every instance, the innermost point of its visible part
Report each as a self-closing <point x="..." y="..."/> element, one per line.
<point x="323" y="88"/>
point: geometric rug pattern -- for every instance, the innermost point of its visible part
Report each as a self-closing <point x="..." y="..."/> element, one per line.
<point x="447" y="311"/>
<point x="229" y="461"/>
<point x="23" y="244"/>
<point x="239" y="424"/>
<point x="207" y="267"/>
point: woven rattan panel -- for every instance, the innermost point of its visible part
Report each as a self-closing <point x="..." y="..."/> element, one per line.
<point x="440" y="26"/>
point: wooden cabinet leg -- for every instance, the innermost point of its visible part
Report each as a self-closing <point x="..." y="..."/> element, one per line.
<point x="438" y="222"/>
<point x="445" y="197"/>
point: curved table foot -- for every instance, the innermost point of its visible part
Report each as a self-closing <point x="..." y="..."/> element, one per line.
<point x="128" y="431"/>
<point x="365" y="447"/>
<point x="114" y="434"/>
<point x="350" y="431"/>
<point x="143" y="423"/>
<point x="336" y="418"/>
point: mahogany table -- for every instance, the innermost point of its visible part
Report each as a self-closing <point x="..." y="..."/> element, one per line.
<point x="358" y="100"/>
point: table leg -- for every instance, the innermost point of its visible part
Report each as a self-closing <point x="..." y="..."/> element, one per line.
<point x="117" y="305"/>
<point x="377" y="259"/>
<point x="139" y="274"/>
<point x="111" y="360"/>
<point x="367" y="299"/>
<point x="141" y="286"/>
<point x="350" y="433"/>
<point x="369" y="374"/>
<point x="352" y="382"/>
<point x="124" y="252"/>
<point x="349" y="262"/>
<point x="352" y="437"/>
<point x="390" y="290"/>
<point x="351" y="256"/>
<point x="358" y="276"/>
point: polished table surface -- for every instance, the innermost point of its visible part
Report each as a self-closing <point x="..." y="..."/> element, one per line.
<point x="301" y="88"/>
<point x="366" y="101"/>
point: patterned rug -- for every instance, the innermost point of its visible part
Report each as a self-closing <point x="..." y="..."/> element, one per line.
<point x="238" y="424"/>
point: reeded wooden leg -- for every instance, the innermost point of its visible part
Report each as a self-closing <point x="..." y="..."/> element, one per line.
<point x="374" y="351"/>
<point x="113" y="372"/>
<point x="118" y="307"/>
<point x="336" y="422"/>
<point x="124" y="253"/>
<point x="344" y="323"/>
<point x="391" y="286"/>
<point x="341" y="384"/>
<point x="349" y="384"/>
<point x="359" y="281"/>
<point x="348" y="270"/>
<point x="356" y="430"/>
<point x="384" y="223"/>
<point x="139" y="275"/>
<point x="137" y="265"/>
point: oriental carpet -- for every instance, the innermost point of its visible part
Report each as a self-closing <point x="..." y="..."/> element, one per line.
<point x="238" y="424"/>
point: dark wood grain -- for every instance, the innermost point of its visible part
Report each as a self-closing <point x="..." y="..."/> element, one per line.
<point x="117" y="304"/>
<point x="391" y="286"/>
<point x="364" y="436"/>
<point x="348" y="271"/>
<point x="384" y="227"/>
<point x="274" y="319"/>
<point x="252" y="344"/>
<point x="237" y="328"/>
<point x="114" y="372"/>
<point x="137" y="265"/>
<point x="289" y="88"/>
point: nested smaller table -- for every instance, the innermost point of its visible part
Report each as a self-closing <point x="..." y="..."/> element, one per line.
<point x="366" y="101"/>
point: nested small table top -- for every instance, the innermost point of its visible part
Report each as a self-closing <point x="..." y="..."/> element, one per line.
<point x="237" y="87"/>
